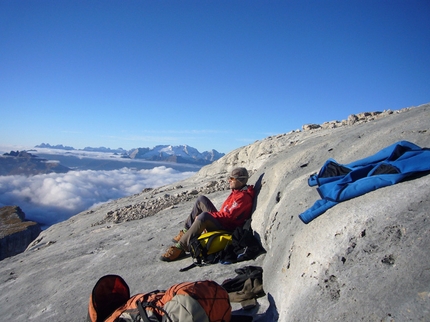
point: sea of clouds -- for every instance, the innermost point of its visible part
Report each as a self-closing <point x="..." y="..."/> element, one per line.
<point x="52" y="198"/>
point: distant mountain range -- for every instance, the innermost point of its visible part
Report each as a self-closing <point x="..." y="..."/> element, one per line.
<point x="165" y="153"/>
<point x="22" y="162"/>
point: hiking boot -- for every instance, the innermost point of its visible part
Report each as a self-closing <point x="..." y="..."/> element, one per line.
<point x="178" y="237"/>
<point x="172" y="254"/>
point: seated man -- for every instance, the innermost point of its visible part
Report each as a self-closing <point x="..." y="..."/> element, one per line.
<point x="235" y="210"/>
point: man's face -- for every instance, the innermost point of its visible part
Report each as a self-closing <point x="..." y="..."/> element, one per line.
<point x="234" y="183"/>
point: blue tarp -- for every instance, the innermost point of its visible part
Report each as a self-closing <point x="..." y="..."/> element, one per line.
<point x="337" y="182"/>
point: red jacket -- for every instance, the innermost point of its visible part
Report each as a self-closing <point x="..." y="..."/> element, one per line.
<point x="236" y="209"/>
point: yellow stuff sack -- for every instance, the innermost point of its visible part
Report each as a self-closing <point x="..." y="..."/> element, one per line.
<point x="208" y="246"/>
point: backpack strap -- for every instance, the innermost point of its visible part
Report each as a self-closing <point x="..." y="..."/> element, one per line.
<point x="247" y="224"/>
<point x="188" y="267"/>
<point x="198" y="262"/>
<point x="142" y="310"/>
<point x="141" y="307"/>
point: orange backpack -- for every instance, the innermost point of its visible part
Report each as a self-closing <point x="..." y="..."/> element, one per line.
<point x="200" y="301"/>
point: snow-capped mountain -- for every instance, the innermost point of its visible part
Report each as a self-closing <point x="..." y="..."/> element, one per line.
<point x="179" y="154"/>
<point x="169" y="153"/>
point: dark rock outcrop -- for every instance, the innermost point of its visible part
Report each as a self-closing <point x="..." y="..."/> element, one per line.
<point x="24" y="163"/>
<point x="15" y="232"/>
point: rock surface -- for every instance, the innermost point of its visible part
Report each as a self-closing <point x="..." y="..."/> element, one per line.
<point x="15" y="233"/>
<point x="365" y="259"/>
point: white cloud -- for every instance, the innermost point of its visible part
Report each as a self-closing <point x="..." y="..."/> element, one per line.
<point x="51" y="198"/>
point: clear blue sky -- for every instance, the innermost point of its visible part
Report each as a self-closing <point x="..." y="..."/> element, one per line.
<point x="210" y="74"/>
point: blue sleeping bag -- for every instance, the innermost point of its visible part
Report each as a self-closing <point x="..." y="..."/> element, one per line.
<point x="337" y="183"/>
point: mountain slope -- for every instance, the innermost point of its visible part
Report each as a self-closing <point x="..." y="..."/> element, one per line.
<point x="365" y="259"/>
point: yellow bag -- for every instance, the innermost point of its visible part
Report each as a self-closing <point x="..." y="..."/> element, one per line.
<point x="207" y="248"/>
<point x="215" y="241"/>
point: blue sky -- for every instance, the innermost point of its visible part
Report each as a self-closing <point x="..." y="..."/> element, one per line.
<point x="210" y="74"/>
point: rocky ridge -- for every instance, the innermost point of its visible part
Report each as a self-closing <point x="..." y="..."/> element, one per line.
<point x="25" y="163"/>
<point x="352" y="119"/>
